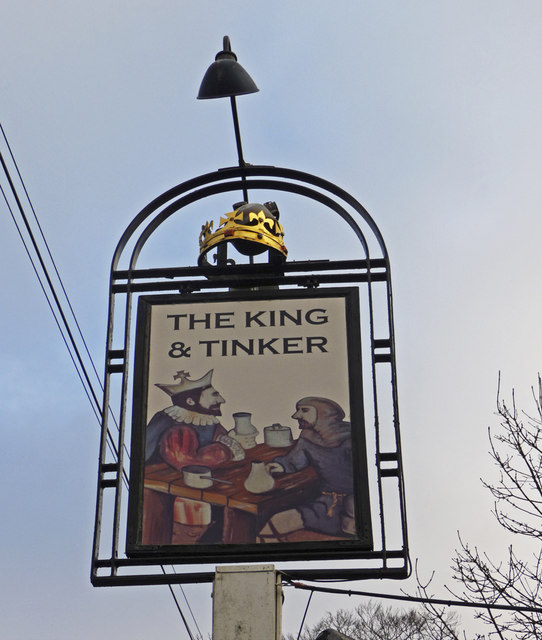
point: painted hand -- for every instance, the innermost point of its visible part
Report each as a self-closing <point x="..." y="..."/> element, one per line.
<point x="274" y="467"/>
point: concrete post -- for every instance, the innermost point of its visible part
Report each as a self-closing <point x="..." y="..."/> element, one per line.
<point x="247" y="603"/>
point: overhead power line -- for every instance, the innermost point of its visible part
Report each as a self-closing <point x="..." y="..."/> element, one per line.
<point x="406" y="598"/>
<point x="38" y="260"/>
<point x="44" y="266"/>
<point x="37" y="249"/>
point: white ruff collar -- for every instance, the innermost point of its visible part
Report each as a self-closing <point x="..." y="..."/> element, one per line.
<point x="180" y="414"/>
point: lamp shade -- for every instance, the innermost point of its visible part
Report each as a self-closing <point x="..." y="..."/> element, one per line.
<point x="226" y="77"/>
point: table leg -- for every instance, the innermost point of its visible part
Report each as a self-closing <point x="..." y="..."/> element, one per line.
<point x="239" y="526"/>
<point x="157" y="521"/>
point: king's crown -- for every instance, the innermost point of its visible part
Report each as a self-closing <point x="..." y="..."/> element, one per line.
<point x="252" y="229"/>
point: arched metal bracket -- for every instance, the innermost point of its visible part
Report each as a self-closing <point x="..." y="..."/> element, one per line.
<point x="129" y="279"/>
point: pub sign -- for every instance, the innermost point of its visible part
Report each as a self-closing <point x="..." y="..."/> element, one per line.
<point x="244" y="389"/>
<point x="248" y="435"/>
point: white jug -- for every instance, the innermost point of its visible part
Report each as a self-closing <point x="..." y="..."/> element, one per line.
<point x="259" y="480"/>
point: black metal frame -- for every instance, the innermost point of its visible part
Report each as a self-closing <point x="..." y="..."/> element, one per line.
<point x="220" y="553"/>
<point x="373" y="272"/>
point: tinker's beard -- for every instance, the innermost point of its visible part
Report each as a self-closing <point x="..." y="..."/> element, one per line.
<point x="305" y="425"/>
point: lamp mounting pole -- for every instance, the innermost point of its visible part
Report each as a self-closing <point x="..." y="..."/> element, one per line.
<point x="237" y="131"/>
<point x="227" y="78"/>
<point x="242" y="162"/>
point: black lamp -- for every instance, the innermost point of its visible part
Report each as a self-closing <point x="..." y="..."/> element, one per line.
<point x="226" y="78"/>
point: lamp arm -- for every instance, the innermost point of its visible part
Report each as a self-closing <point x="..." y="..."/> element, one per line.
<point x="242" y="162"/>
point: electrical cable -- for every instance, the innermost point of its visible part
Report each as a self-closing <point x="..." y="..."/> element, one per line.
<point x="110" y="442"/>
<point x="190" y="609"/>
<point x="51" y="294"/>
<point x="60" y="280"/>
<point x="50" y="285"/>
<point x="62" y="321"/>
<point x="47" y="298"/>
<point x="305" y="615"/>
<point x="46" y="244"/>
<point x="438" y="601"/>
<point x="187" y="603"/>
<point x="179" y="607"/>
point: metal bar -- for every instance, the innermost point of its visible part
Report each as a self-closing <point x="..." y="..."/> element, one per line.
<point x="122" y="425"/>
<point x="109" y="483"/>
<point x="110" y="467"/>
<point x="382" y="344"/>
<point x="395" y="573"/>
<point x="105" y="438"/>
<point x="260" y="268"/>
<point x="389" y="473"/>
<point x="382" y="357"/>
<point x="238" y="555"/>
<point x="115" y="368"/>
<point x="195" y="285"/>
<point x="116" y="354"/>
<point x="390" y="456"/>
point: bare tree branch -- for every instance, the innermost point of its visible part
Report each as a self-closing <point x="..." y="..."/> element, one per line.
<point x="516" y="450"/>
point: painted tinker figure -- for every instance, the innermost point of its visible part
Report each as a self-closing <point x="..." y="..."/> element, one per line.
<point x="325" y="443"/>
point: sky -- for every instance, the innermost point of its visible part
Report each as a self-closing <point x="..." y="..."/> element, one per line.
<point x="427" y="112"/>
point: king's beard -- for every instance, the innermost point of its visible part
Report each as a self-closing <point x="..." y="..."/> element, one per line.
<point x="213" y="410"/>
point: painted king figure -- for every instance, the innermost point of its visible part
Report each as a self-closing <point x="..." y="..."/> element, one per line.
<point x="189" y="431"/>
<point x="186" y="433"/>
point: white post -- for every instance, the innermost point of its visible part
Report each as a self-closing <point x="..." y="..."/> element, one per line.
<point x="247" y="603"/>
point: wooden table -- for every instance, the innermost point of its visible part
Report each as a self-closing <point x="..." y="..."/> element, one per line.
<point x="245" y="513"/>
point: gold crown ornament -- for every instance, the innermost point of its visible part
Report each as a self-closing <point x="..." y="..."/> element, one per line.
<point x="252" y="229"/>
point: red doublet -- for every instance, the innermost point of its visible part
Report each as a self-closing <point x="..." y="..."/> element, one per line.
<point x="180" y="447"/>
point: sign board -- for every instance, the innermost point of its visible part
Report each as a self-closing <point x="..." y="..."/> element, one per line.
<point x="248" y="434"/>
